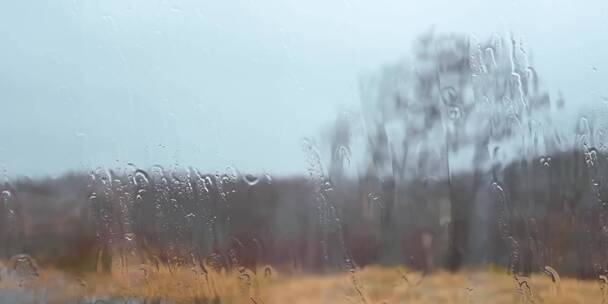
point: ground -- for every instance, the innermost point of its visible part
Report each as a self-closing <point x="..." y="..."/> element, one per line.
<point x="367" y="285"/>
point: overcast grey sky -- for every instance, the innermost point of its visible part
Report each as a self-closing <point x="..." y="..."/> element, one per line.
<point x="215" y="83"/>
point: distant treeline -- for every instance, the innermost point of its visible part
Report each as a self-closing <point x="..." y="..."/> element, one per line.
<point x="548" y="211"/>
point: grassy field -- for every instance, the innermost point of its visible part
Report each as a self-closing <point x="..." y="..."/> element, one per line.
<point x="368" y="285"/>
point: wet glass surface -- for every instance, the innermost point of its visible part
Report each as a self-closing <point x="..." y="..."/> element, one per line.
<point x="291" y="152"/>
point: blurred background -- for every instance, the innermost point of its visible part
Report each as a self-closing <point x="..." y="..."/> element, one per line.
<point x="239" y="82"/>
<point x="318" y="137"/>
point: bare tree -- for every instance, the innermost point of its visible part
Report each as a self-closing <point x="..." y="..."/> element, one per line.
<point x="453" y="108"/>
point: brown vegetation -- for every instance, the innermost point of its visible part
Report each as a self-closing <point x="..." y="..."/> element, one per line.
<point x="371" y="285"/>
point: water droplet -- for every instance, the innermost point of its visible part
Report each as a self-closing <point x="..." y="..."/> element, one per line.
<point x="23" y="266"/>
<point x="190" y="217"/>
<point x="268" y="178"/>
<point x="454" y="112"/>
<point x="251" y="179"/>
<point x="141" y="178"/>
<point x="6" y="195"/>
<point x="545" y="161"/>
<point x="344" y="153"/>
<point x="130" y="236"/>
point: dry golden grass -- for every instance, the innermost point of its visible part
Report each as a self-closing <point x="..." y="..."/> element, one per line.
<point x="369" y="285"/>
<point x="382" y="285"/>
